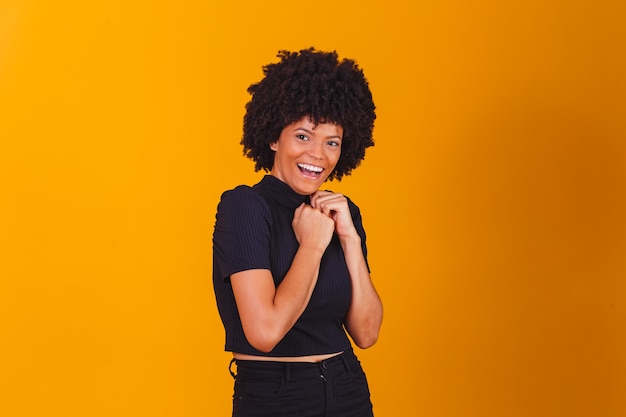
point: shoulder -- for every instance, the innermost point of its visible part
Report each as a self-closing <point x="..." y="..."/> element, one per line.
<point x="238" y="191"/>
<point x="242" y="207"/>
<point x="242" y="197"/>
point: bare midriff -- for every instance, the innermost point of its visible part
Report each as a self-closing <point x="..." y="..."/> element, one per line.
<point x="312" y="358"/>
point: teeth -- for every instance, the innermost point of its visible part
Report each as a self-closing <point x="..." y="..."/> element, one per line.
<point x="311" y="167"/>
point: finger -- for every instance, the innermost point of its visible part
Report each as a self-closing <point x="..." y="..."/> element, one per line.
<point x="321" y="200"/>
<point x="331" y="210"/>
<point x="335" y="202"/>
<point x="315" y="197"/>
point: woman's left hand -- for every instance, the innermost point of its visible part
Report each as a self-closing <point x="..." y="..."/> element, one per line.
<point x="365" y="314"/>
<point x="335" y="206"/>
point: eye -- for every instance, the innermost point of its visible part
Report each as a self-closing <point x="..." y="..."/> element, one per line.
<point x="302" y="137"/>
<point x="333" y="143"/>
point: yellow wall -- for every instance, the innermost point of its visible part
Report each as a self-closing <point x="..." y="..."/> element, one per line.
<point x="494" y="200"/>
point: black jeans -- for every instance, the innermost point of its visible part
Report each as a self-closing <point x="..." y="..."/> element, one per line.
<point x="336" y="387"/>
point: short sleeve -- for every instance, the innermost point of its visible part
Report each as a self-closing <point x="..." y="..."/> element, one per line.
<point x="241" y="237"/>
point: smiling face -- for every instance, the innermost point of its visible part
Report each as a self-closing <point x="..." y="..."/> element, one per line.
<point x="306" y="154"/>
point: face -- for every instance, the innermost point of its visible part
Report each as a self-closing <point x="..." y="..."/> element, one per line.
<point x="306" y="154"/>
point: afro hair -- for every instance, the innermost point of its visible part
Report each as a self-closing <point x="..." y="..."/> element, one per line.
<point x="312" y="84"/>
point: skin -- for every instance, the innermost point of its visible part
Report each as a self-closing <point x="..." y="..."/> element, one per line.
<point x="305" y="155"/>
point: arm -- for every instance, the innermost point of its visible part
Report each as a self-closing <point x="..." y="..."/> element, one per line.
<point x="268" y="312"/>
<point x="365" y="314"/>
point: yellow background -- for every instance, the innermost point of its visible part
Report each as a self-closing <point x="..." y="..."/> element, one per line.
<point x="494" y="200"/>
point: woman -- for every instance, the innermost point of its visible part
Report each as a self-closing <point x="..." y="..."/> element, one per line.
<point x="290" y="271"/>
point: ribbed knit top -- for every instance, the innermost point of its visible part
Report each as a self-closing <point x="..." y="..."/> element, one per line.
<point x="253" y="231"/>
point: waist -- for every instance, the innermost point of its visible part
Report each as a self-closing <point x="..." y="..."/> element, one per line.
<point x="292" y="359"/>
<point x="342" y="362"/>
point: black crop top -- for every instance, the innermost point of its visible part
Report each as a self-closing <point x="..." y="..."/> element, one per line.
<point x="253" y="231"/>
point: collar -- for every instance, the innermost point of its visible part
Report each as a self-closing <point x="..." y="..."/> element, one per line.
<point x="281" y="192"/>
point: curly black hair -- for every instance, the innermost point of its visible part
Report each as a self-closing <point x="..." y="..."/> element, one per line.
<point x="317" y="85"/>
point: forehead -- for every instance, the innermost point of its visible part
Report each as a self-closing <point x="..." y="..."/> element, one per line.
<point x="319" y="127"/>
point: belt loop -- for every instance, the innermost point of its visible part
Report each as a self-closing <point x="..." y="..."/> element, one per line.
<point x="233" y="360"/>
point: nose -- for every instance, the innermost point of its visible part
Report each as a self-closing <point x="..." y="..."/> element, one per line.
<point x="316" y="150"/>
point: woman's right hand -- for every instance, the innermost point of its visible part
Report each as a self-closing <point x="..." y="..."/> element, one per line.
<point x="312" y="227"/>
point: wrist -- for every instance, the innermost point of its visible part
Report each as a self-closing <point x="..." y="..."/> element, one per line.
<point x="351" y="239"/>
<point x="311" y="249"/>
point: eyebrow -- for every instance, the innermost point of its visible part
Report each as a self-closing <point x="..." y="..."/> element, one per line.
<point x="310" y="132"/>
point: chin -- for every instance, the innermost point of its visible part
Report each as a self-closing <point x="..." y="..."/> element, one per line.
<point x="306" y="189"/>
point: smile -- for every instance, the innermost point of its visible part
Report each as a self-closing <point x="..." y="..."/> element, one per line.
<point x="310" y="171"/>
<point x="310" y="168"/>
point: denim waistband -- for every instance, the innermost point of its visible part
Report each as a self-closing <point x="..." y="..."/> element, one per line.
<point x="343" y="362"/>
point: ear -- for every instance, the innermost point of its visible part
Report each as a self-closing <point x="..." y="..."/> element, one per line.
<point x="274" y="146"/>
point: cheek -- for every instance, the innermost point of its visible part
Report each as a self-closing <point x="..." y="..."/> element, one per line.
<point x="333" y="163"/>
